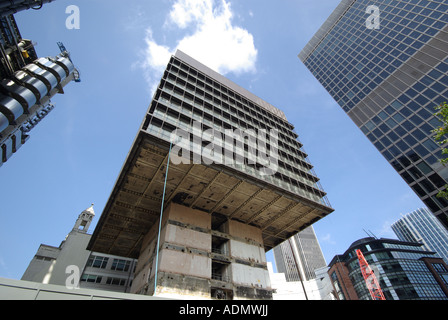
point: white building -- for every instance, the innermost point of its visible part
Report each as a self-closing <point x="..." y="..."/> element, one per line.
<point x="315" y="289"/>
<point x="71" y="264"/>
<point x="423" y="227"/>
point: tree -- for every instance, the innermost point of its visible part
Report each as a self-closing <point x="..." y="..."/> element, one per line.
<point x="441" y="137"/>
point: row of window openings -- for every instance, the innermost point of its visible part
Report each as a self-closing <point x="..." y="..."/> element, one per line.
<point x="418" y="148"/>
<point x="203" y="109"/>
<point x="368" y="73"/>
<point x="430" y="292"/>
<point x="428" y="87"/>
<point x="201" y="105"/>
<point x="412" y="157"/>
<point x="225" y="94"/>
<point x="286" y="182"/>
<point x="405" y="108"/>
<point x="416" y="171"/>
<point x="432" y="234"/>
<point x="411" y="11"/>
<point x="396" y="131"/>
<point x="178" y="118"/>
<point x="397" y="36"/>
<point x="368" y="80"/>
<point x="284" y="179"/>
<point x="282" y="148"/>
<point x="109" y="280"/>
<point x="101" y="263"/>
<point x="215" y="97"/>
<point x="428" y="17"/>
<point x="399" y="279"/>
<point x="399" y="126"/>
<point x="400" y="47"/>
<point x="424" y="188"/>
<point x="182" y="91"/>
<point x="286" y="166"/>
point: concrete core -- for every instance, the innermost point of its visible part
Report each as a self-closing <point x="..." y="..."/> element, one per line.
<point x="204" y="257"/>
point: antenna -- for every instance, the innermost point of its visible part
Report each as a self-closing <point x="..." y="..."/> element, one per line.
<point x="373" y="235"/>
<point x="370" y="234"/>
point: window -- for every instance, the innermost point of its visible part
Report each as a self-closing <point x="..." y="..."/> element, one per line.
<point x="430" y="145"/>
<point x="410" y="140"/>
<point x="437" y="180"/>
<point x="427" y="185"/>
<point x="415" y="172"/>
<point x="116" y="281"/>
<point x="421" y="151"/>
<point x="120" y="265"/>
<point x="392" y="136"/>
<point x="424" y="167"/>
<point x="419" y="190"/>
<point x="398" y="117"/>
<point x="416" y="120"/>
<point x="427" y="129"/>
<point x="91" y="278"/>
<point x="402" y="145"/>
<point x="391" y="123"/>
<point x="97" y="262"/>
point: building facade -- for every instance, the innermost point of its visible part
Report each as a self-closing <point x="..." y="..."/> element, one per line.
<point x="389" y="77"/>
<point x="215" y="177"/>
<point x="318" y="288"/>
<point x="404" y="270"/>
<point x="422" y="227"/>
<point x="72" y="265"/>
<point x="301" y="253"/>
<point x="27" y="82"/>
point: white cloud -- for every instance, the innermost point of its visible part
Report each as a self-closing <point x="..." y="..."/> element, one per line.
<point x="156" y="56"/>
<point x="327" y="238"/>
<point x="207" y="34"/>
<point x="386" y="230"/>
<point x="185" y="12"/>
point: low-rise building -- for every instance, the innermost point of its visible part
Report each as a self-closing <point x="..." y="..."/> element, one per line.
<point x="72" y="265"/>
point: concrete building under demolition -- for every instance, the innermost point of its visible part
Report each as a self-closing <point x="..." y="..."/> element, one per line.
<point x="201" y="228"/>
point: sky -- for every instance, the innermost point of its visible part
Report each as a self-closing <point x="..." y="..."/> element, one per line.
<point x="75" y="154"/>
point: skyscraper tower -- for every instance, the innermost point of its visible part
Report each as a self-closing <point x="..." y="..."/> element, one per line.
<point x="27" y="83"/>
<point x="237" y="183"/>
<point x="8" y="7"/>
<point x="301" y="253"/>
<point x="422" y="227"/>
<point x="388" y="76"/>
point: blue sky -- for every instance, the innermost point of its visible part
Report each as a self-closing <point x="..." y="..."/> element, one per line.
<point x="75" y="154"/>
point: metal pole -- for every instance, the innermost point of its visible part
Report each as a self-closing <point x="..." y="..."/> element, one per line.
<point x="160" y="220"/>
<point x="298" y="268"/>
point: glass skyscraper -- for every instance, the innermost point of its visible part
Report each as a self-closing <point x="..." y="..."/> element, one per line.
<point x="421" y="226"/>
<point x="389" y="79"/>
<point x="299" y="253"/>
